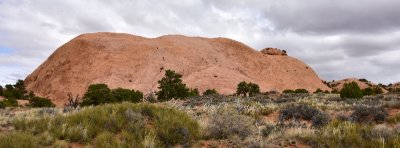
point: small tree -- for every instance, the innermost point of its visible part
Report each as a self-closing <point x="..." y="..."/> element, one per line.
<point x="171" y="86"/>
<point x="253" y="89"/>
<point x="351" y="90"/>
<point x="242" y="89"/>
<point x="40" y="102"/>
<point x="210" y="92"/>
<point x="121" y="95"/>
<point x="247" y="89"/>
<point x="97" y="94"/>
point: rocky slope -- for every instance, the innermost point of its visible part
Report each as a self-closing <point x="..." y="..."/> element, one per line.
<point x="362" y="83"/>
<point x="128" y="61"/>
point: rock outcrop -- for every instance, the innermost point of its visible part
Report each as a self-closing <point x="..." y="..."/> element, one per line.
<point x="128" y="61"/>
<point x="362" y="83"/>
<point x="274" y="51"/>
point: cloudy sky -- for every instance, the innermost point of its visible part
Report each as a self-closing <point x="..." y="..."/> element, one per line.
<point x="339" y="39"/>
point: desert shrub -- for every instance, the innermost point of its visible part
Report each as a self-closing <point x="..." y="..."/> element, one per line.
<point x="364" y="114"/>
<point x="121" y="95"/>
<point x="97" y="94"/>
<point x="73" y="102"/>
<point x="318" y="91"/>
<point x="40" y="102"/>
<point x="150" y="97"/>
<point x="304" y="112"/>
<point x="227" y="122"/>
<point x="247" y="89"/>
<point x="326" y="91"/>
<point x="301" y="91"/>
<point x="18" y="140"/>
<point x="9" y="102"/>
<point x="269" y="129"/>
<point x="16" y="91"/>
<point x="372" y="91"/>
<point x="1" y="90"/>
<point x="288" y="91"/>
<point x="348" y="134"/>
<point x="394" y="119"/>
<point x="194" y="92"/>
<point x="320" y="119"/>
<point x="351" y="90"/>
<point x="210" y="92"/>
<point x="128" y="123"/>
<point x="298" y="91"/>
<point x="171" y="86"/>
<point x="242" y="89"/>
<point x="335" y="91"/>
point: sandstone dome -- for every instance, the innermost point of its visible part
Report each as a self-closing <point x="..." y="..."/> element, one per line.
<point x="129" y="61"/>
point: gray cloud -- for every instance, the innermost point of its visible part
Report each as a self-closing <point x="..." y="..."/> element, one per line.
<point x="338" y="39"/>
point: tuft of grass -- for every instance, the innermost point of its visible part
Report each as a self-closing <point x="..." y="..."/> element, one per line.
<point x="121" y="125"/>
<point x="348" y="134"/>
<point x="18" y="140"/>
<point x="394" y="120"/>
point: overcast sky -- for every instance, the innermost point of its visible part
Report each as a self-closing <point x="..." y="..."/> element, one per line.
<point x="339" y="39"/>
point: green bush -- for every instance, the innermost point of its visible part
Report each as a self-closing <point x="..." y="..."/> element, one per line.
<point x="247" y="89"/>
<point x="16" y="91"/>
<point x="288" y="91"/>
<point x="171" y="86"/>
<point x="254" y="89"/>
<point x="318" y="91"/>
<point x="351" y="90"/>
<point x="301" y="91"/>
<point x="210" y="92"/>
<point x="372" y="91"/>
<point x="97" y="94"/>
<point x="40" y="102"/>
<point x="335" y="91"/>
<point x="1" y="90"/>
<point x="297" y="91"/>
<point x="117" y="125"/>
<point x="8" y="102"/>
<point x="194" y="92"/>
<point x="121" y="95"/>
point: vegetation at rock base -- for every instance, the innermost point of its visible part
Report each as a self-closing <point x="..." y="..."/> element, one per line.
<point x="263" y="120"/>
<point x="171" y="86"/>
<point x="372" y="91"/>
<point x="210" y="92"/>
<point x="119" y="125"/>
<point x="351" y="90"/>
<point x="100" y="94"/>
<point x="247" y="89"/>
<point x="40" y="102"/>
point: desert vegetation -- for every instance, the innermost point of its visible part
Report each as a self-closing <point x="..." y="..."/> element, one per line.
<point x="120" y="117"/>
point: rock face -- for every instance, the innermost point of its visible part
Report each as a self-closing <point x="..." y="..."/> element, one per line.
<point x="128" y="61"/>
<point x="274" y="51"/>
<point x="362" y="83"/>
<point x="394" y="86"/>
